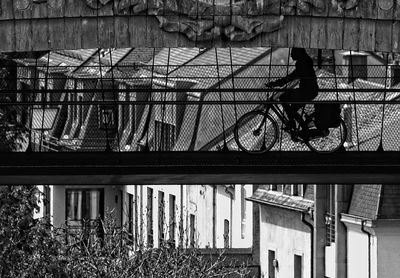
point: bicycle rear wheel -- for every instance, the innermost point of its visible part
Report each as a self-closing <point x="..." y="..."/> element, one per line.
<point x="330" y="143"/>
<point x="252" y="135"/>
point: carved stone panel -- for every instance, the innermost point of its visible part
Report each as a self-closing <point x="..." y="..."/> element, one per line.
<point x="385" y="4"/>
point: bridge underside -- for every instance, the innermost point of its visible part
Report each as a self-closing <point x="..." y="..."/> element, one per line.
<point x="75" y="24"/>
<point x="198" y="168"/>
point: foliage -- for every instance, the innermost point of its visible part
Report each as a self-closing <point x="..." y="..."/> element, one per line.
<point x="32" y="248"/>
<point x="27" y="246"/>
<point x="12" y="131"/>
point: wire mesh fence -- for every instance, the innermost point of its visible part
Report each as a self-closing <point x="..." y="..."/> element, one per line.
<point x="174" y="100"/>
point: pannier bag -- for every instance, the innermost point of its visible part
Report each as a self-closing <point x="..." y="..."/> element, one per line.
<point x="327" y="115"/>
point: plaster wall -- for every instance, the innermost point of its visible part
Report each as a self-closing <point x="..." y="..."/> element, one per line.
<point x="388" y="250"/>
<point x="242" y="232"/>
<point x="223" y="208"/>
<point x="195" y="199"/>
<point x="200" y="199"/>
<point x="357" y="253"/>
<point x="232" y="211"/>
<point x="168" y="190"/>
<point x="282" y="231"/>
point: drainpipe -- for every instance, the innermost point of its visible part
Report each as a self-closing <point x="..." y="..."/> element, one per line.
<point x="214" y="216"/>
<point x="303" y="219"/>
<point x="181" y="220"/>
<point x="369" y="245"/>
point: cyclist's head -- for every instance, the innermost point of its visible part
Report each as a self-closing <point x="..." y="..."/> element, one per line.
<point x="298" y="53"/>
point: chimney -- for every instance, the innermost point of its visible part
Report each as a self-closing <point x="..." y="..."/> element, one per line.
<point x="393" y="74"/>
<point x="354" y="65"/>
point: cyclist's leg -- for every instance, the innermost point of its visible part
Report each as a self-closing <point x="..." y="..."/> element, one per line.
<point x="286" y="97"/>
<point x="292" y="108"/>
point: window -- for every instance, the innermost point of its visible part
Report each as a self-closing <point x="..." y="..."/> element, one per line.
<point x="243" y="210"/>
<point x="297" y="190"/>
<point x="130" y="214"/>
<point x="273" y="187"/>
<point x="172" y="217"/>
<point x="192" y="230"/>
<point x="271" y="264"/>
<point x="150" y="241"/>
<point x="161" y="217"/>
<point x="84" y="204"/>
<point x="330" y="216"/>
<point x="164" y="136"/>
<point x="226" y="233"/>
<point x="298" y="266"/>
<point x="46" y="201"/>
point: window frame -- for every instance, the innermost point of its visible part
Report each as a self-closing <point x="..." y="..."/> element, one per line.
<point x="83" y="204"/>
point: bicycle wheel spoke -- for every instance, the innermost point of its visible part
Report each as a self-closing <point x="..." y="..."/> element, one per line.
<point x="255" y="132"/>
<point x="330" y="143"/>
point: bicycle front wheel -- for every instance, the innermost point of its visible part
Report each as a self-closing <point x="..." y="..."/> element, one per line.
<point x="330" y="143"/>
<point x="253" y="134"/>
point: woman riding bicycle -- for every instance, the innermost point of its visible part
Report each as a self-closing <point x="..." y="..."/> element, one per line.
<point x="307" y="91"/>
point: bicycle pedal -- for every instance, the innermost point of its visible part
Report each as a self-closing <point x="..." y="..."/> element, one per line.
<point x="296" y="138"/>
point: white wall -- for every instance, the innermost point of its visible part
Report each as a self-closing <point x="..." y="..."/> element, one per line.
<point x="388" y="249"/>
<point x="231" y="209"/>
<point x="168" y="190"/>
<point x="357" y="252"/>
<point x="194" y="199"/>
<point x="384" y="261"/>
<point x="282" y="231"/>
<point x="200" y="203"/>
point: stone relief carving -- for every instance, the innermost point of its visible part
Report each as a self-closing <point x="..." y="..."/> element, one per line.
<point x="200" y="20"/>
<point x="303" y="6"/>
<point x="26" y="4"/>
<point x="342" y="5"/>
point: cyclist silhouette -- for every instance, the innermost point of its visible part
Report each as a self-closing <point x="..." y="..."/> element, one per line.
<point x="308" y="87"/>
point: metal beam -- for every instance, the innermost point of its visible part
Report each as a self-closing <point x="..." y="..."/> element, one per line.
<point x="198" y="168"/>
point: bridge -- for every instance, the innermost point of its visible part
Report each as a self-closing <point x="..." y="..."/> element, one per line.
<point x="35" y="25"/>
<point x="200" y="167"/>
<point x="168" y="117"/>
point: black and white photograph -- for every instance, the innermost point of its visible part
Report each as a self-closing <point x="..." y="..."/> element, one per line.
<point x="199" y="138"/>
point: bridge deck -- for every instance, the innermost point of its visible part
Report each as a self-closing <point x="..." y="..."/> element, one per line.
<point x="198" y="167"/>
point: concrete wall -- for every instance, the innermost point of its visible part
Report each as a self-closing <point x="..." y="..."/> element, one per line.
<point x="282" y="231"/>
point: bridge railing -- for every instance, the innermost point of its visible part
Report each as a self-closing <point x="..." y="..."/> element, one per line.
<point x="133" y="108"/>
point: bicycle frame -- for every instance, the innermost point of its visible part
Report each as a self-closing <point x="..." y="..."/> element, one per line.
<point x="304" y="133"/>
<point x="281" y="115"/>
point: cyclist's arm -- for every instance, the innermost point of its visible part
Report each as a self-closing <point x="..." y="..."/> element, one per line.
<point x="284" y="80"/>
<point x="277" y="95"/>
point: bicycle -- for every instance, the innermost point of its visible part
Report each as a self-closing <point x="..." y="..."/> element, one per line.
<point x="257" y="131"/>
